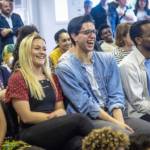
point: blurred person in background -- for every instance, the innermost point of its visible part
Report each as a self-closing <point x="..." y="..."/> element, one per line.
<point x="106" y="42"/>
<point x="9" y="24"/>
<point x="126" y="14"/>
<point x="113" y="17"/>
<point x="7" y="56"/>
<point x="87" y="6"/>
<point x="141" y="9"/>
<point x="63" y="42"/>
<point x="99" y="14"/>
<point x="124" y="44"/>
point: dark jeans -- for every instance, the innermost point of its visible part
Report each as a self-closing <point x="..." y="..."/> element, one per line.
<point x="54" y="134"/>
<point x="138" y="125"/>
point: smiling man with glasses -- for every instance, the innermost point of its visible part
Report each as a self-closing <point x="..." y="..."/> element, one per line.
<point x="91" y="81"/>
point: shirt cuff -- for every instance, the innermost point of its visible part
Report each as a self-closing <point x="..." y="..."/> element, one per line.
<point x="94" y="111"/>
<point x="117" y="105"/>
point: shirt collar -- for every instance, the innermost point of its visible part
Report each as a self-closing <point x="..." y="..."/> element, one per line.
<point x="140" y="57"/>
<point x="6" y="16"/>
<point x="79" y="62"/>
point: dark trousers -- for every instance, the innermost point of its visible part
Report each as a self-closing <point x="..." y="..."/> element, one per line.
<point x="63" y="133"/>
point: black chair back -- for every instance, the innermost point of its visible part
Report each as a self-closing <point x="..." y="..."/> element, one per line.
<point x="12" y="120"/>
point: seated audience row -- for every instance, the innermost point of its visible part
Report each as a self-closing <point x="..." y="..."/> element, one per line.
<point x="92" y="82"/>
<point x="141" y="10"/>
<point x="74" y="126"/>
<point x="119" y="11"/>
<point x="89" y="79"/>
<point x="121" y="46"/>
<point x="37" y="100"/>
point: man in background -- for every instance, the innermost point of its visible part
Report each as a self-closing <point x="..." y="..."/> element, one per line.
<point x="87" y="6"/>
<point x="99" y="14"/>
<point x="106" y="39"/>
<point x="9" y="24"/>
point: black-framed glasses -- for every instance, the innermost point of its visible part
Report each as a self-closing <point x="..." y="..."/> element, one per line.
<point x="87" y="32"/>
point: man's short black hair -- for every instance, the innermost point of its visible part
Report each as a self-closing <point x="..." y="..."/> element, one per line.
<point x="103" y="26"/>
<point x="136" y="30"/>
<point x="76" y="23"/>
<point x="87" y="2"/>
<point x="57" y="34"/>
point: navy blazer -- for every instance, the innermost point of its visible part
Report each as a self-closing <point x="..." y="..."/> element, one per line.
<point x="16" y="22"/>
<point x="99" y="15"/>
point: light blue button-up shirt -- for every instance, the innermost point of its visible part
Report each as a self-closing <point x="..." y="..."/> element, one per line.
<point x="77" y="88"/>
<point x="147" y="66"/>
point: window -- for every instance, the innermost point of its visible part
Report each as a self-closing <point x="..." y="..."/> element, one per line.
<point x="20" y="7"/>
<point x="61" y="10"/>
<point x="95" y="2"/>
<point x="17" y="2"/>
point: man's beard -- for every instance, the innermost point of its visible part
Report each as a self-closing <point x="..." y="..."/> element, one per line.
<point x="147" y="47"/>
<point x="6" y="13"/>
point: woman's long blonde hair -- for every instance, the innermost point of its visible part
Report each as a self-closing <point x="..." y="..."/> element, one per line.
<point x="26" y="67"/>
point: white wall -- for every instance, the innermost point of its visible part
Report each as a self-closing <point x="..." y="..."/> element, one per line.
<point x="43" y="16"/>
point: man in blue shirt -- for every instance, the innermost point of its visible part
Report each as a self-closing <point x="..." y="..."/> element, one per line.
<point x="91" y="79"/>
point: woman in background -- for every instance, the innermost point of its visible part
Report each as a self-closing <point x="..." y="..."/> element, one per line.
<point x="122" y="41"/>
<point x="141" y="10"/>
<point x="63" y="42"/>
<point x="38" y="101"/>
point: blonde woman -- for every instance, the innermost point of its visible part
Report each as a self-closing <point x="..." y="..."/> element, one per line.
<point x="38" y="101"/>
